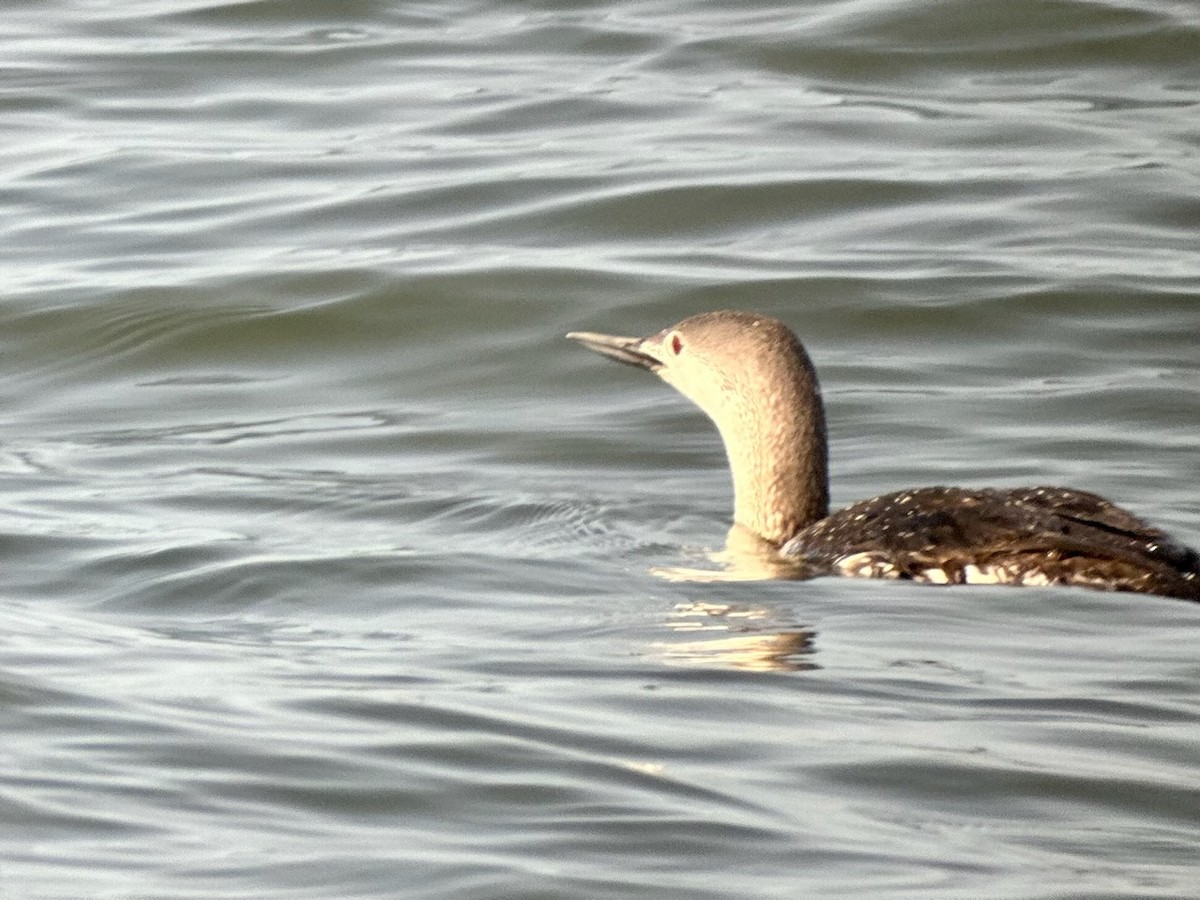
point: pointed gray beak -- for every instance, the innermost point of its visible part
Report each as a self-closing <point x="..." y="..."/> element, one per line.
<point x="628" y="350"/>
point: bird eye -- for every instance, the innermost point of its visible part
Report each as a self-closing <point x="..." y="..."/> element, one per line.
<point x="676" y="344"/>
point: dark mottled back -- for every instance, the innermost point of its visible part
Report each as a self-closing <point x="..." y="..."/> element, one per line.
<point x="1041" y="535"/>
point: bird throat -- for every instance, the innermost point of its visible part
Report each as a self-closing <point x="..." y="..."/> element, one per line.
<point x="780" y="472"/>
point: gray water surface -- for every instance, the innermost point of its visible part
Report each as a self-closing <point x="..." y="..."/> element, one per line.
<point x="332" y="570"/>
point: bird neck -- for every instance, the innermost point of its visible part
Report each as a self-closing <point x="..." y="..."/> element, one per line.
<point x="778" y="459"/>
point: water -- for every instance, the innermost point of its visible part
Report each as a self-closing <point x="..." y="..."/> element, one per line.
<point x="330" y="565"/>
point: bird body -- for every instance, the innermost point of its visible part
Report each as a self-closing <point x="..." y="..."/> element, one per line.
<point x="1034" y="536"/>
<point x="754" y="379"/>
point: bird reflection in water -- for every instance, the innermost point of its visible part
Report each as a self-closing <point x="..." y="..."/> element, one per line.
<point x="735" y="638"/>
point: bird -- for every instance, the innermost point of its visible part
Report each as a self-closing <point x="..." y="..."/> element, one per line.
<point x="753" y="378"/>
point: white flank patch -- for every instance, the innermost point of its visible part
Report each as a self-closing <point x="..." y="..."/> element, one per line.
<point x="987" y="575"/>
<point x="866" y="565"/>
<point x="876" y="565"/>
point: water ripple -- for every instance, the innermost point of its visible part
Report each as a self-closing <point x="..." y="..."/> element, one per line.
<point x="332" y="569"/>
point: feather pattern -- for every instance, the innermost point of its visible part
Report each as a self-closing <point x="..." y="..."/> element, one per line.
<point x="1038" y="535"/>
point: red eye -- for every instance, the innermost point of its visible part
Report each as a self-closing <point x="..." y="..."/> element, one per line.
<point x="676" y="344"/>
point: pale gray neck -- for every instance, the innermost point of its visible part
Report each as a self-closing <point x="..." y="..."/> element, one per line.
<point x="778" y="458"/>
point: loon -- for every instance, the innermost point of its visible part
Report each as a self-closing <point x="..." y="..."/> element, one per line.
<point x="751" y="375"/>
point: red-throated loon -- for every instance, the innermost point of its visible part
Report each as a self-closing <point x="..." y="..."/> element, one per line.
<point x="753" y="378"/>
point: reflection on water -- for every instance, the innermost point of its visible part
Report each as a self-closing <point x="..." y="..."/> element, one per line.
<point x="736" y="638"/>
<point x="317" y="539"/>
